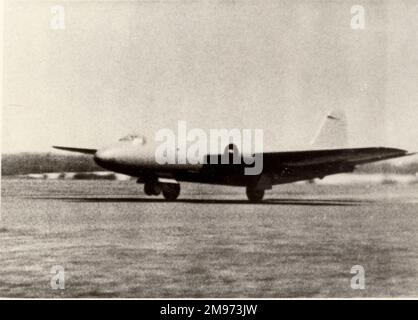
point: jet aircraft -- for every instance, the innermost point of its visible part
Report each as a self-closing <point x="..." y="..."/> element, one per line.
<point x="135" y="156"/>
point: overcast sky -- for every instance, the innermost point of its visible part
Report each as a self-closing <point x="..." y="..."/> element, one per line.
<point x="124" y="66"/>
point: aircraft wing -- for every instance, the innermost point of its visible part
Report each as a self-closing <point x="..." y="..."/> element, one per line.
<point x="294" y="166"/>
<point x="349" y="156"/>
<point x="79" y="150"/>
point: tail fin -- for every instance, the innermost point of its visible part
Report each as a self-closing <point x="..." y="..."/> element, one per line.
<point x="333" y="132"/>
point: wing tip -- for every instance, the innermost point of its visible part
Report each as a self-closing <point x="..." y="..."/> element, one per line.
<point x="79" y="150"/>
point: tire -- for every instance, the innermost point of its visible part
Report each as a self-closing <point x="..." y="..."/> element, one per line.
<point x="254" y="195"/>
<point x="171" y="191"/>
<point x="152" y="188"/>
<point x="148" y="189"/>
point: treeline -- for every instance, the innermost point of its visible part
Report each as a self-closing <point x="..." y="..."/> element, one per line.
<point x="386" y="167"/>
<point x="24" y="163"/>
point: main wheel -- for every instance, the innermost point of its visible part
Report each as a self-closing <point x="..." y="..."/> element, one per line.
<point x="254" y="195"/>
<point x="171" y="191"/>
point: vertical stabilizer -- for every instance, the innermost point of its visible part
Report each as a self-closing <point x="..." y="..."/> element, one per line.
<point x="333" y="132"/>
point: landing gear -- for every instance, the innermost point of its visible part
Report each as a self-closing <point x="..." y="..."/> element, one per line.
<point x="152" y="188"/>
<point x="254" y="195"/>
<point x="171" y="191"/>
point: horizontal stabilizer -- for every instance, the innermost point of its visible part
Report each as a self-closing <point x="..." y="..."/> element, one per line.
<point x="79" y="150"/>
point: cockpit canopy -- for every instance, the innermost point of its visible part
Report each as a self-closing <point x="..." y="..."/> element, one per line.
<point x="134" y="138"/>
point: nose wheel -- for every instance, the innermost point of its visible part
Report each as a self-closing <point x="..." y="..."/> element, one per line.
<point x="170" y="191"/>
<point x="152" y="188"/>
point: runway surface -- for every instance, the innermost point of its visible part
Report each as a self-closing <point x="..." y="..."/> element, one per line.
<point x="113" y="241"/>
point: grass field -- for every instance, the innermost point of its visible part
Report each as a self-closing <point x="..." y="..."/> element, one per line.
<point x="115" y="242"/>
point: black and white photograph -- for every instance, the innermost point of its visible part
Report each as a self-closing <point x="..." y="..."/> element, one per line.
<point x="209" y="149"/>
